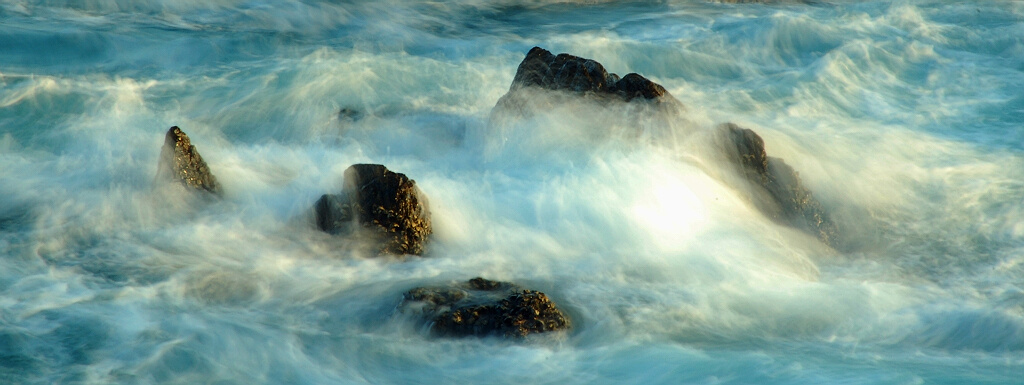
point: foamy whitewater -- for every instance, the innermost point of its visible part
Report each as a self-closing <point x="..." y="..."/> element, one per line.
<point x="904" y="118"/>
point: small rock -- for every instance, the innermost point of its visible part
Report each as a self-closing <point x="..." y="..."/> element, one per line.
<point x="379" y="199"/>
<point x="333" y="213"/>
<point x="180" y="161"/>
<point x="481" y="307"/>
<point x="349" y="114"/>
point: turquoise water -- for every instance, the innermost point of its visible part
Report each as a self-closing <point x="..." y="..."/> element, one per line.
<point x="903" y="117"/>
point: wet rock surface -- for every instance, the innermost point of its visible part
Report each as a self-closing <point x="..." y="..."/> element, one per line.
<point x="481" y="307"/>
<point x="564" y="72"/>
<point x="779" y="192"/>
<point x="378" y="199"/>
<point x="180" y="161"/>
<point x="543" y="69"/>
<point x="333" y="213"/>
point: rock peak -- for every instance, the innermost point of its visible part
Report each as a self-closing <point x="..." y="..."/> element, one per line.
<point x="381" y="200"/>
<point x="541" y="68"/>
<point x="180" y="161"/>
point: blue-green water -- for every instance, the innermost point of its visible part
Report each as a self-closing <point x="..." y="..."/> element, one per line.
<point x="905" y="118"/>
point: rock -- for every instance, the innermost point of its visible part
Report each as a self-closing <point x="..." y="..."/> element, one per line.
<point x="776" y="187"/>
<point x="543" y="69"/>
<point x="563" y="72"/>
<point x="348" y="114"/>
<point x="180" y="161"/>
<point x="634" y="86"/>
<point x="778" y="190"/>
<point x="481" y="307"/>
<point x="333" y="213"/>
<point x="383" y="201"/>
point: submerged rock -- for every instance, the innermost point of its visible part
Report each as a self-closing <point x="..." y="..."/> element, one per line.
<point x="481" y="307"/>
<point x="349" y="114"/>
<point x="778" y="190"/>
<point x="180" y="161"/>
<point x="383" y="201"/>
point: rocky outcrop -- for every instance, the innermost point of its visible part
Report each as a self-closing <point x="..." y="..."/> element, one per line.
<point x="543" y="69"/>
<point x="563" y="72"/>
<point x="776" y="188"/>
<point x="181" y="162"/>
<point x="778" y="191"/>
<point x="385" y="202"/>
<point x="480" y="307"/>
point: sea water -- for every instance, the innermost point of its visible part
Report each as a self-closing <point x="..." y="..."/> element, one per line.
<point x="904" y="118"/>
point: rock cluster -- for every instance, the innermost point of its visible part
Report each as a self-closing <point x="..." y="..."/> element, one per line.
<point x="776" y="188"/>
<point x="386" y="202"/>
<point x="481" y="307"/>
<point x="390" y="206"/>
<point x="180" y="161"/>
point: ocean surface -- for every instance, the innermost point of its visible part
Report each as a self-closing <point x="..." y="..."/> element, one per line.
<point x="904" y="118"/>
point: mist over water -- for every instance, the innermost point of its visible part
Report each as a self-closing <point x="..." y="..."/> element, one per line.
<point x="903" y="118"/>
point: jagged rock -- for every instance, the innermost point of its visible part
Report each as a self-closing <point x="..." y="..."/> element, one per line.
<point x="481" y="307"/>
<point x="180" y="161"/>
<point x="778" y="190"/>
<point x="634" y="86"/>
<point x="386" y="202"/>
<point x="563" y="72"/>
<point x="541" y="68"/>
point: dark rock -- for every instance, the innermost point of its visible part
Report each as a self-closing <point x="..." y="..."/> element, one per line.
<point x="778" y="190"/>
<point x="633" y="86"/>
<point x="434" y="298"/>
<point x="349" y="114"/>
<point x="481" y="307"/>
<point x="333" y="213"/>
<point x="180" y="161"/>
<point x="486" y="284"/>
<point x="563" y="72"/>
<point x="386" y="202"/>
<point x="541" y="68"/>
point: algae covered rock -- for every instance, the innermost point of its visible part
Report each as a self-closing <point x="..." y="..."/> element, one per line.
<point x="181" y="162"/>
<point x="385" y="202"/>
<point x="481" y="307"/>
